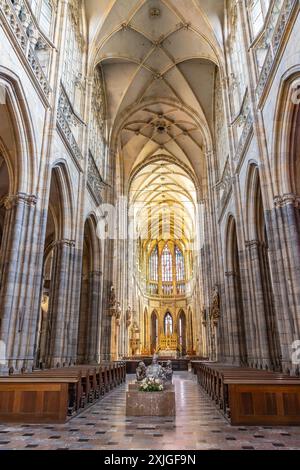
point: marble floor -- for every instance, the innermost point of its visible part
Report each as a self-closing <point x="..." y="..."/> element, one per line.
<point x="197" y="426"/>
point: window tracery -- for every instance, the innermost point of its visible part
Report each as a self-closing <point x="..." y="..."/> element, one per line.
<point x="154" y="265"/>
<point x="167" y="265"/>
<point x="180" y="270"/>
<point x="73" y="54"/>
<point x="97" y="123"/>
<point x="168" y="324"/>
<point x="237" y="59"/>
<point x="43" y="12"/>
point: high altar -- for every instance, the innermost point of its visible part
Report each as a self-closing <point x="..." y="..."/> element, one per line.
<point x="168" y="346"/>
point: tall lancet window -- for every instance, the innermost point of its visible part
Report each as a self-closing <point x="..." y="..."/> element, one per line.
<point x="180" y="270"/>
<point x="73" y="53"/>
<point x="168" y="324"/>
<point x="43" y="12"/>
<point x="154" y="265"/>
<point x="257" y="18"/>
<point x="97" y="128"/>
<point x="166" y="265"/>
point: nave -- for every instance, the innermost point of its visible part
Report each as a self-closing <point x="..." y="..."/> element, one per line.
<point x="149" y="212"/>
<point x="197" y="426"/>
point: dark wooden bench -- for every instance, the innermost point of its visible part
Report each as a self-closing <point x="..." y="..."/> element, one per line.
<point x="250" y="396"/>
<point x="54" y="395"/>
<point x="47" y="399"/>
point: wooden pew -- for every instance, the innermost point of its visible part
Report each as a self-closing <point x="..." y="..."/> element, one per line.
<point x="54" y="395"/>
<point x="250" y="396"/>
<point x="78" y="393"/>
<point x="36" y="399"/>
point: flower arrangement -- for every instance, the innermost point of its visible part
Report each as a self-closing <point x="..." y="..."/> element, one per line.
<point x="150" y="384"/>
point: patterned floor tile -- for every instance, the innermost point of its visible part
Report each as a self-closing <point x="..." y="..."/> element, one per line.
<point x="198" y="425"/>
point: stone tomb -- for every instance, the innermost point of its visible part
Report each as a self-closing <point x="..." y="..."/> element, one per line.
<point x="150" y="403"/>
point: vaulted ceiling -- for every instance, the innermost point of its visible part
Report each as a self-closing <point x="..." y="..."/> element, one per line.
<point x="163" y="194"/>
<point x="159" y="60"/>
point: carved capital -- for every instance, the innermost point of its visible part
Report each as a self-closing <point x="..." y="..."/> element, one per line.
<point x="252" y="243"/>
<point x="66" y="242"/>
<point x="97" y="273"/>
<point x="286" y="199"/>
<point x="10" y="201"/>
<point x="230" y="273"/>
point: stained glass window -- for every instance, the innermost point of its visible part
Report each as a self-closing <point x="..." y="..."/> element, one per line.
<point x="180" y="271"/>
<point x="168" y="324"/>
<point x="166" y="264"/>
<point x="154" y="265"/>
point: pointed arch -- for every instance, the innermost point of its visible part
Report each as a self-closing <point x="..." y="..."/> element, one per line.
<point x="234" y="282"/>
<point x="91" y="221"/>
<point x="63" y="189"/>
<point x="179" y="264"/>
<point x="153" y="264"/>
<point x="182" y="332"/>
<point x="154" y="331"/>
<point x="168" y="323"/>
<point x="259" y="241"/>
<point x="18" y="146"/>
<point x="190" y="333"/>
<point x="145" y="330"/>
<point x="90" y="296"/>
<point x="285" y="146"/>
<point x="167" y="264"/>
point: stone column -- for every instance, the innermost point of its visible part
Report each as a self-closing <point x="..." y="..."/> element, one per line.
<point x="204" y="350"/>
<point x="60" y="305"/>
<point x="17" y="276"/>
<point x="234" y="312"/>
<point x="107" y="250"/>
<point x="260" y="338"/>
<point x="73" y="304"/>
<point x="95" y="313"/>
<point x="284" y="238"/>
<point x="113" y="332"/>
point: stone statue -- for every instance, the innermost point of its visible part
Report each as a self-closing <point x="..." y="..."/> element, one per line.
<point x="155" y="370"/>
<point x="112" y="297"/>
<point x="203" y="316"/>
<point x="168" y="372"/>
<point x="128" y="316"/>
<point x="134" y="338"/>
<point x="118" y="311"/>
<point x="215" y="308"/>
<point x="140" y="372"/>
<point x="112" y="302"/>
<point x="45" y="303"/>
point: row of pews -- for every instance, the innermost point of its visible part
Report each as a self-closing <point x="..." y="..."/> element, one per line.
<point x="249" y="396"/>
<point x="55" y="395"/>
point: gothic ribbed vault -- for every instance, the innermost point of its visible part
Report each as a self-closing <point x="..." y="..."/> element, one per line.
<point x="159" y="60"/>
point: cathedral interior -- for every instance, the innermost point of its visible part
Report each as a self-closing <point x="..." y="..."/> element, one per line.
<point x="149" y="204"/>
